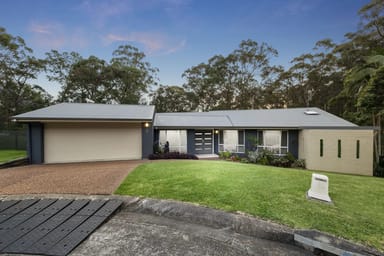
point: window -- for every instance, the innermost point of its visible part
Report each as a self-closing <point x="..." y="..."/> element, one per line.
<point x="275" y="141"/>
<point x="260" y="137"/>
<point x="358" y="149"/>
<point x="284" y="142"/>
<point x="221" y="137"/>
<point x="232" y="141"/>
<point x="339" y="148"/>
<point x="240" y="135"/>
<point x="321" y="148"/>
<point x="272" y="139"/>
<point x="177" y="140"/>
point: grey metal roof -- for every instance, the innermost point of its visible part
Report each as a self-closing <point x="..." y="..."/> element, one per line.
<point x="191" y="120"/>
<point x="90" y="111"/>
<point x="266" y="118"/>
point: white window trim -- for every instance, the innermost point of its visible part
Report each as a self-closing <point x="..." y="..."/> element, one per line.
<point x="271" y="148"/>
<point x="240" y="148"/>
<point x="172" y="147"/>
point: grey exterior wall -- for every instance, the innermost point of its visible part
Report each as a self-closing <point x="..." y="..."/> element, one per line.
<point x="216" y="143"/>
<point x="293" y="142"/>
<point x="191" y="141"/>
<point x="156" y="136"/>
<point x="147" y="136"/>
<point x="249" y="135"/>
<point x="35" y="147"/>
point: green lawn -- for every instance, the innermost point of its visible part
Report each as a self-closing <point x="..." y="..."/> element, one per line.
<point x="8" y="155"/>
<point x="268" y="192"/>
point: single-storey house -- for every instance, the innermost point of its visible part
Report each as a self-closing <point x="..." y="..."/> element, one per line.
<point x="75" y="132"/>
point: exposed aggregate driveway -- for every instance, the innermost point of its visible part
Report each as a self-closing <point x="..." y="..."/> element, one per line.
<point x="101" y="178"/>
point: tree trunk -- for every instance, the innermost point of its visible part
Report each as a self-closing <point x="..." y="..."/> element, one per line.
<point x="377" y="138"/>
<point x="380" y="152"/>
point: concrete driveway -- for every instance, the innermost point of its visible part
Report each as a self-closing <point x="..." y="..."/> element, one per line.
<point x="97" y="178"/>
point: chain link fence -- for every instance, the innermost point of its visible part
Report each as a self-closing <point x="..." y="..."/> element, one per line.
<point x="13" y="139"/>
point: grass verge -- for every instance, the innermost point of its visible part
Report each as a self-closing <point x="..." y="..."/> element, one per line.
<point x="8" y="155"/>
<point x="277" y="194"/>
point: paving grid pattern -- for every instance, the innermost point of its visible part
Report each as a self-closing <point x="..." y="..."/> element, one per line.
<point x="50" y="226"/>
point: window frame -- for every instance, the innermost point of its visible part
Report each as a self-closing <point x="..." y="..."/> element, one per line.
<point x="280" y="148"/>
<point x="172" y="147"/>
<point x="240" y="148"/>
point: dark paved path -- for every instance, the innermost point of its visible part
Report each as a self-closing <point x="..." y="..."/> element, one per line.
<point x="50" y="226"/>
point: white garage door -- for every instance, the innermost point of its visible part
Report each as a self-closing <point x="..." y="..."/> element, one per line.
<point x="91" y="142"/>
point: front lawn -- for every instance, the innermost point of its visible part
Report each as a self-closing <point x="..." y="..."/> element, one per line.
<point x="278" y="194"/>
<point x="8" y="155"/>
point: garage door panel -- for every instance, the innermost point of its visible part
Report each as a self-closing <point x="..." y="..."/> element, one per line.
<point x="78" y="143"/>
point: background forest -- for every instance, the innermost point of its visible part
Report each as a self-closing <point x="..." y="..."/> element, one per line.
<point x="346" y="79"/>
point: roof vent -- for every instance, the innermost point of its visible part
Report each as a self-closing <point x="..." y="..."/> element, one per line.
<point x="311" y="112"/>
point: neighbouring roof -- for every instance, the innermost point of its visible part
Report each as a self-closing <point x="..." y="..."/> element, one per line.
<point x="90" y="111"/>
<point x="265" y="118"/>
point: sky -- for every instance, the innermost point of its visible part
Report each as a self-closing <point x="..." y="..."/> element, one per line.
<point x="176" y="34"/>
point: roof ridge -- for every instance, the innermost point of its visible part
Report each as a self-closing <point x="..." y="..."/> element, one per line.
<point x="230" y="120"/>
<point x="189" y="114"/>
<point x="101" y="104"/>
<point x="262" y="109"/>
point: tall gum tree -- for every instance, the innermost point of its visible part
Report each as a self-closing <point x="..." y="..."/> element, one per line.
<point x="18" y="68"/>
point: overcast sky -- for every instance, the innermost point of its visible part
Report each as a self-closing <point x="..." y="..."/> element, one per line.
<point x="176" y="34"/>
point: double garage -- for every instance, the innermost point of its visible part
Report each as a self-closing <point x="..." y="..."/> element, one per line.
<point x="67" y="133"/>
<point x="81" y="142"/>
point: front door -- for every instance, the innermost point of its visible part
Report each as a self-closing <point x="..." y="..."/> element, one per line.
<point x="203" y="142"/>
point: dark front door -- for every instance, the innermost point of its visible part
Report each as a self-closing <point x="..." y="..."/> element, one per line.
<point x="203" y="142"/>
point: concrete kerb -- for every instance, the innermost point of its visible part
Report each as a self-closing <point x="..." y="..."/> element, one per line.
<point x="239" y="223"/>
<point x="14" y="163"/>
<point x="196" y="214"/>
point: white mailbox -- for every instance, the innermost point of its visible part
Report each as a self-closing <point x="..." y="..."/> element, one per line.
<point x="319" y="188"/>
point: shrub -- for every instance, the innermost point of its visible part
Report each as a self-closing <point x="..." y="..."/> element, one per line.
<point x="298" y="163"/>
<point x="290" y="157"/>
<point x="172" y="155"/>
<point x="379" y="171"/>
<point x="225" y="155"/>
<point x="156" y="148"/>
<point x="264" y="157"/>
<point x="281" y="161"/>
<point x="235" y="158"/>
<point x="379" y="168"/>
<point x="252" y="156"/>
<point x="244" y="160"/>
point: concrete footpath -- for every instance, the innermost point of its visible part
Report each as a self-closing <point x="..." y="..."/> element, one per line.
<point x="166" y="227"/>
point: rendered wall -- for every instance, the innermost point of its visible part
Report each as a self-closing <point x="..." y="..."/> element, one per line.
<point x="309" y="149"/>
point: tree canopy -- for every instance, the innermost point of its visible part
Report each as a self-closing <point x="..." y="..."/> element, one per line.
<point x="18" y="67"/>
<point x="233" y="81"/>
<point x="345" y="78"/>
<point x="125" y="79"/>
